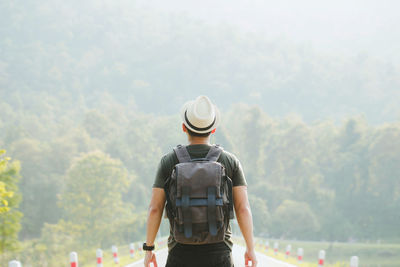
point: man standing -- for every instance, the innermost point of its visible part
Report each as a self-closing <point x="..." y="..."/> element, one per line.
<point x="200" y="119"/>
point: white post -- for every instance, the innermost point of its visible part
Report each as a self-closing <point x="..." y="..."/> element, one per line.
<point x="321" y="257"/>
<point x="266" y="246"/>
<point x="73" y="259"/>
<point x="140" y="248"/>
<point x="354" y="261"/>
<point x="14" y="264"/>
<point x="132" y="249"/>
<point x="115" y="254"/>
<point x="276" y="246"/>
<point x="288" y="249"/>
<point x="300" y="253"/>
<point x="99" y="256"/>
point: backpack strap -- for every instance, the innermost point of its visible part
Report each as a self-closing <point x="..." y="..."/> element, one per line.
<point x="182" y="154"/>
<point x="214" y="153"/>
<point x="186" y="212"/>
<point x="212" y="210"/>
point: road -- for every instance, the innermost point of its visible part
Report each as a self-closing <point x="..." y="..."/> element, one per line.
<point x="238" y="252"/>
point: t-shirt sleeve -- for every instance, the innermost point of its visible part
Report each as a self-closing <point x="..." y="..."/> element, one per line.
<point x="238" y="177"/>
<point x="160" y="175"/>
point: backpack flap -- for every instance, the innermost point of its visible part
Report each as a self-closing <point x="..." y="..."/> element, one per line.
<point x="199" y="197"/>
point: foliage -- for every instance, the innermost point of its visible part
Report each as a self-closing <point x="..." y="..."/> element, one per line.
<point x="4" y="194"/>
<point x="294" y="219"/>
<point x="92" y="198"/>
<point x="84" y="100"/>
<point x="261" y="216"/>
<point x="10" y="216"/>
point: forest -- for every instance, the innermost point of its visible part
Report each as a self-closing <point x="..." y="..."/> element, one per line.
<point x="88" y="106"/>
<point x="88" y="181"/>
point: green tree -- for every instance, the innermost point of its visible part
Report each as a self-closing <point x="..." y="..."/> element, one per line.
<point x="92" y="199"/>
<point x="261" y="217"/>
<point x="294" y="220"/>
<point x="4" y="194"/>
<point x="10" y="198"/>
<point x="36" y="177"/>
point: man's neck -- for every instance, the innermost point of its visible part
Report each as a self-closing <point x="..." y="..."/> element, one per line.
<point x="199" y="140"/>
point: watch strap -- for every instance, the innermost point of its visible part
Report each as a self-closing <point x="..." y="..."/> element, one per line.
<point x="148" y="248"/>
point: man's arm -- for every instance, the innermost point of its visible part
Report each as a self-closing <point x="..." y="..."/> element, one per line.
<point x="245" y="220"/>
<point x="154" y="214"/>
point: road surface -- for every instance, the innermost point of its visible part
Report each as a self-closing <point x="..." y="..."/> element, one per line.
<point x="238" y="258"/>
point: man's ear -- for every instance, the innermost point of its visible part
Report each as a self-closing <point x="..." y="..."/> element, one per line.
<point x="184" y="127"/>
<point x="213" y="131"/>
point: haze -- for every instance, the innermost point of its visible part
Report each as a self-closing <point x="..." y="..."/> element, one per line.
<point x="337" y="26"/>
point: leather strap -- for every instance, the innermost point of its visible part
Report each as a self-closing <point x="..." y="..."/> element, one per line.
<point x="230" y="197"/>
<point x="198" y="202"/>
<point x="212" y="211"/>
<point x="147" y="248"/>
<point x="182" y="154"/>
<point x="214" y="153"/>
<point x="186" y="212"/>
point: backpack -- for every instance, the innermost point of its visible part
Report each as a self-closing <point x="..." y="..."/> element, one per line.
<point x="199" y="198"/>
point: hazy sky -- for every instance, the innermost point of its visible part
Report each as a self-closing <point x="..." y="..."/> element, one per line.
<point x="351" y="26"/>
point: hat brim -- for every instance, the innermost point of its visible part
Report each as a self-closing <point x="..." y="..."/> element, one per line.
<point x="215" y="124"/>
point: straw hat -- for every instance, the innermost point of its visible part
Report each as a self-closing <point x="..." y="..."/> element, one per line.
<point x="200" y="115"/>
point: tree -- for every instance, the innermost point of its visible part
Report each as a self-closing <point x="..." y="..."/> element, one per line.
<point x="294" y="220"/>
<point x="4" y="194"/>
<point x="92" y="199"/>
<point x="36" y="178"/>
<point x="261" y="217"/>
<point x="10" y="198"/>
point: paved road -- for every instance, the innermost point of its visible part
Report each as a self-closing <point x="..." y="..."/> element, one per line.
<point x="238" y="257"/>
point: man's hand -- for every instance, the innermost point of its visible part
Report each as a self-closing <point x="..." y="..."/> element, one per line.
<point x="250" y="255"/>
<point x="150" y="257"/>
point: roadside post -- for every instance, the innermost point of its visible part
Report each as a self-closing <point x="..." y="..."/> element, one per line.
<point x="354" y="261"/>
<point x="288" y="249"/>
<point x="300" y="253"/>
<point x="140" y="249"/>
<point x="321" y="257"/>
<point x="99" y="257"/>
<point x="115" y="254"/>
<point x="14" y="264"/>
<point x="132" y="250"/>
<point x="276" y="246"/>
<point x="73" y="259"/>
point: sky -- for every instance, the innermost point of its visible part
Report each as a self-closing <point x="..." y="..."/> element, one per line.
<point x="356" y="26"/>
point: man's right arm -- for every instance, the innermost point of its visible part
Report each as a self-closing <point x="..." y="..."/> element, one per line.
<point x="245" y="220"/>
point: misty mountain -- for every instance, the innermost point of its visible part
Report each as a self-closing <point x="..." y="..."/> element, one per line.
<point x="154" y="60"/>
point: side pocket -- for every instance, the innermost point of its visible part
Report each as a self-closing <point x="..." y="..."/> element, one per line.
<point x="230" y="196"/>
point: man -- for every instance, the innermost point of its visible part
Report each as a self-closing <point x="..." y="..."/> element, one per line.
<point x="200" y="119"/>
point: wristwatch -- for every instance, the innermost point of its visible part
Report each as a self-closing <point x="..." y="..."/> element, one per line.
<point x="148" y="248"/>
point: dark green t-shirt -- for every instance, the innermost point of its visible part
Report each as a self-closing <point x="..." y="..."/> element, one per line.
<point x="233" y="170"/>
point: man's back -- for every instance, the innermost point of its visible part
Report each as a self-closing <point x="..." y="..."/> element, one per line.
<point x="233" y="170"/>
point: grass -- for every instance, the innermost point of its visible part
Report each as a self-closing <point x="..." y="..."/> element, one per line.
<point x="88" y="258"/>
<point x="337" y="254"/>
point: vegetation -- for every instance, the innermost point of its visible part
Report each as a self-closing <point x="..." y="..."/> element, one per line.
<point x="89" y="99"/>
<point x="10" y="198"/>
<point x="337" y="254"/>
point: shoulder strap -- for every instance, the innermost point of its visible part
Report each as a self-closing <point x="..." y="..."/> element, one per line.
<point x="182" y="154"/>
<point x="214" y="153"/>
